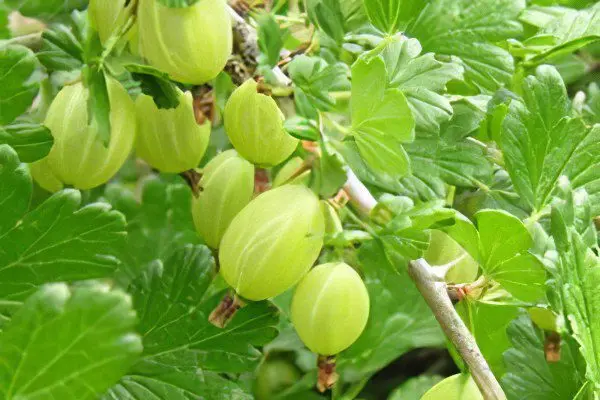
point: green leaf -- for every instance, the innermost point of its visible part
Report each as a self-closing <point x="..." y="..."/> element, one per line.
<point x="529" y="375"/>
<point x="61" y="48"/>
<point x="159" y="382"/>
<point x="574" y="25"/>
<point x="391" y="16"/>
<point x="504" y="242"/>
<point x="270" y="39"/>
<point x="540" y="16"/>
<point x="58" y="241"/>
<point x="331" y="175"/>
<point x="523" y="276"/>
<point x="456" y="387"/>
<point x="470" y="31"/>
<point x="15" y="189"/>
<point x="173" y="301"/>
<point x="4" y="30"/>
<point x="327" y="15"/>
<point x="415" y="388"/>
<point x="315" y="78"/>
<point x="381" y="119"/>
<point x="541" y="142"/>
<point x="422" y="79"/>
<point x="170" y="298"/>
<point x="68" y="343"/>
<point x="302" y="128"/>
<point x="488" y="319"/>
<point x="98" y="103"/>
<point x="156" y="84"/>
<point x="177" y="3"/>
<point x="46" y="9"/>
<point x="577" y="277"/>
<point x="437" y="161"/>
<point x="18" y="80"/>
<point x="32" y="142"/>
<point x="399" y="318"/>
<point x="502" y="237"/>
<point x="448" y="158"/>
<point x="160" y="224"/>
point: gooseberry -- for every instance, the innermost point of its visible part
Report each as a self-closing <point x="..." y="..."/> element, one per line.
<point x="170" y="140"/>
<point x="226" y="187"/>
<point x="272" y="243"/>
<point x="254" y="125"/>
<point x="191" y="44"/>
<point x="78" y="156"/>
<point x="330" y="308"/>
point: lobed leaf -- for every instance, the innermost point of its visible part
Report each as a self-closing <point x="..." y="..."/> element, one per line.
<point x="541" y="142"/>
<point x="470" y="31"/>
<point x="68" y="343"/>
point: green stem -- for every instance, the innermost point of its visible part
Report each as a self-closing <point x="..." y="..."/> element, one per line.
<point x="112" y="42"/>
<point x="361" y="223"/>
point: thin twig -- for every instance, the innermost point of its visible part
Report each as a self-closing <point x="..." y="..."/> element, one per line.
<point x="436" y="296"/>
<point x="282" y="79"/>
<point x="358" y="193"/>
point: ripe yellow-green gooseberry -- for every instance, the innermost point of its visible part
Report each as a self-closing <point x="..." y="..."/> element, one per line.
<point x="254" y="125"/>
<point x="272" y="243"/>
<point x="330" y="308"/>
<point x="273" y="376"/>
<point x="227" y="185"/>
<point x="108" y="16"/>
<point x="191" y="44"/>
<point x="170" y="140"/>
<point x="78" y="156"/>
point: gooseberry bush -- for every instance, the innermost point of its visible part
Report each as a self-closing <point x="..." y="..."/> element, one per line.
<point x="318" y="199"/>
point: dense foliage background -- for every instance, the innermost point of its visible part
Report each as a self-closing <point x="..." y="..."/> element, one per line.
<point x="442" y="108"/>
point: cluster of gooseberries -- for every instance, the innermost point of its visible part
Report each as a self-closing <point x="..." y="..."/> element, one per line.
<point x="266" y="244"/>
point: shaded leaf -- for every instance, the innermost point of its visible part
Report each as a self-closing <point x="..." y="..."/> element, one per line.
<point x="529" y="375"/>
<point x="487" y="320"/>
<point x="158" y="225"/>
<point x="156" y="84"/>
<point x="399" y="318"/>
<point x="415" y="388"/>
<point x="98" y="103"/>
